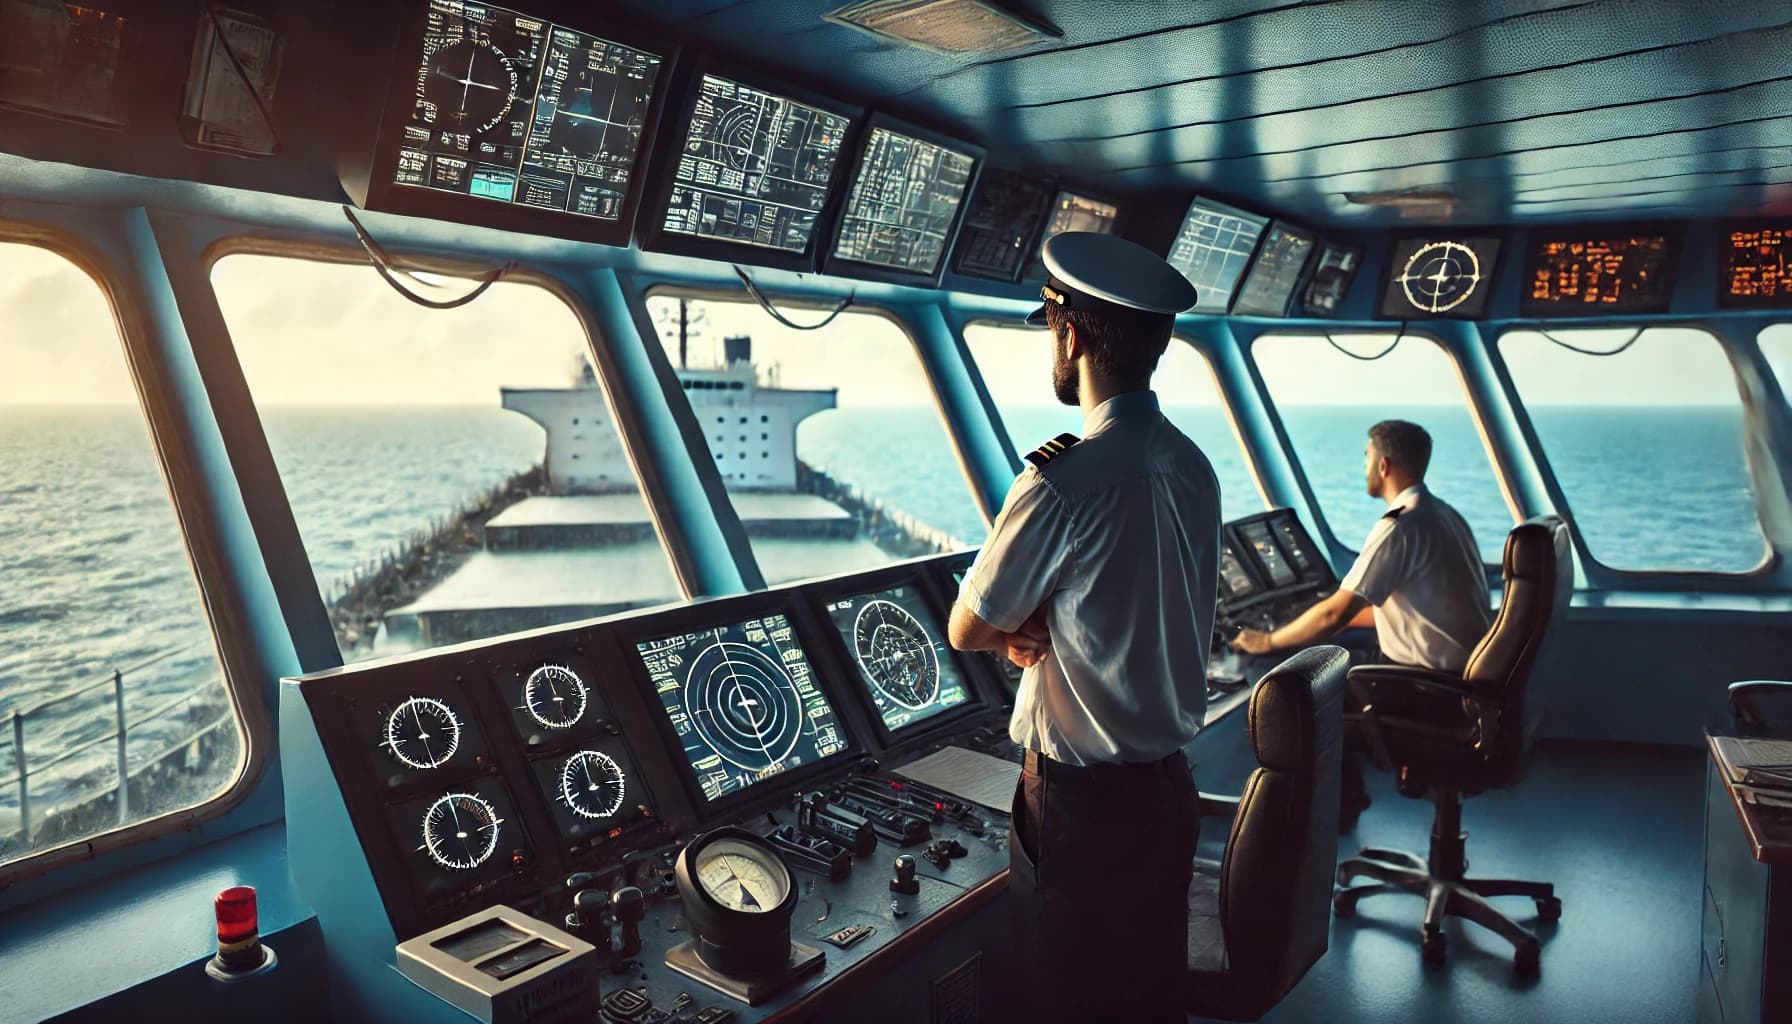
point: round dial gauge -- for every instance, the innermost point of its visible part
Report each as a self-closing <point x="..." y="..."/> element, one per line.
<point x="592" y="784"/>
<point x="422" y="733"/>
<point x="555" y="696"/>
<point x="471" y="83"/>
<point x="460" y="831"/>
<point x="742" y="877"/>
<point x="896" y="654"/>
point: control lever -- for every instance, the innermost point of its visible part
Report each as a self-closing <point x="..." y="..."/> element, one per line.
<point x="590" y="918"/>
<point x="629" y="906"/>
<point x="814" y="816"/>
<point x="811" y="850"/>
<point x="905" y="881"/>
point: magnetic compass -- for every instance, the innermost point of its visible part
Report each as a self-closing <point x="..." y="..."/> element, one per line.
<point x="896" y="654"/>
<point x="555" y="696"/>
<point x="422" y="733"/>
<point x="739" y="896"/>
<point x="1440" y="276"/>
<point x="460" y="831"/>
<point x="592" y="784"/>
<point x="471" y="84"/>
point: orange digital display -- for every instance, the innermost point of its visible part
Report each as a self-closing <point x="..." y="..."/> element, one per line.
<point x="1587" y="274"/>
<point x="1755" y="266"/>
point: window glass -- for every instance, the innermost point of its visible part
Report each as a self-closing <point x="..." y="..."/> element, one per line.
<point x="1776" y="345"/>
<point x="871" y="477"/>
<point x="455" y="474"/>
<point x="1647" y="445"/>
<point x="1328" y="401"/>
<point x="1016" y="364"/>
<point x="98" y="604"/>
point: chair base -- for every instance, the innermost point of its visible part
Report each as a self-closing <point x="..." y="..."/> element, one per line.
<point x="1397" y="871"/>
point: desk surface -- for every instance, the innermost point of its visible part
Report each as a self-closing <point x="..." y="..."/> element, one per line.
<point x="1769" y="830"/>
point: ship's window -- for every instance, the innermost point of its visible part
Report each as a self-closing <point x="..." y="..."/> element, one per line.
<point x="426" y="457"/>
<point x="1016" y="365"/>
<point x="1328" y="401"/>
<point x="1646" y="444"/>
<point x="112" y="700"/>
<point x="1776" y="345"/>
<point x="873" y="476"/>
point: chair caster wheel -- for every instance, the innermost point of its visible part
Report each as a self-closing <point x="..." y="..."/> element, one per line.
<point x="1343" y="904"/>
<point x="1432" y="946"/>
<point x="1549" y="908"/>
<point x="1527" y="960"/>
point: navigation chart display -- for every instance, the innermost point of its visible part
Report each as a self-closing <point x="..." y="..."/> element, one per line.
<point x="1269" y="556"/>
<point x="1234" y="576"/>
<point x="904" y="200"/>
<point x="896" y="643"/>
<point x="754" y="167"/>
<point x="1212" y="248"/>
<point x="1598" y="272"/>
<point x="1003" y="217"/>
<point x="1333" y="272"/>
<point x="1755" y="266"/>
<point x="1439" y="277"/>
<point x="743" y="701"/>
<point x="1073" y="212"/>
<point x="514" y="109"/>
<point x="1269" y="287"/>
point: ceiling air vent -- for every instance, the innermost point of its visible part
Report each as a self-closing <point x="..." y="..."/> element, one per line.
<point x="1405" y="197"/>
<point x="948" y="26"/>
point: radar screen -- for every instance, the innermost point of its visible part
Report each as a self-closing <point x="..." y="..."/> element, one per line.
<point x="754" y="168"/>
<point x="904" y="200"/>
<point x="1235" y="578"/>
<point x="1212" y="248"/>
<point x="743" y="701"/>
<point x="1593" y="273"/>
<point x="1333" y="271"/>
<point x="1269" y="287"/>
<point x="1002" y="219"/>
<point x="417" y="736"/>
<point x="594" y="790"/>
<point x="1073" y="212"/>
<point x="1439" y="277"/>
<point x="1269" y="556"/>
<point x="897" y="644"/>
<point x="513" y="109"/>
<point x="1755" y="266"/>
<point x="459" y="836"/>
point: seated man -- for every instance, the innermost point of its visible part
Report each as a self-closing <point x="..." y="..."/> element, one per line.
<point x="1419" y="579"/>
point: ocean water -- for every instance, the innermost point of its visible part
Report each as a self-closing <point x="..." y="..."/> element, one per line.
<point x="94" y="577"/>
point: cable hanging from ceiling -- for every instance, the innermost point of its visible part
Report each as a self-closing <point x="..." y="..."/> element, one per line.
<point x="383" y="264"/>
<point x="766" y="304"/>
<point x="1333" y="342"/>
<point x="1570" y="346"/>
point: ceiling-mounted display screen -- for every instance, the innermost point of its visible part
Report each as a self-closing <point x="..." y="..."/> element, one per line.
<point x="896" y="642"/>
<point x="1073" y="211"/>
<point x="1212" y="248"/>
<point x="1754" y="266"/>
<point x="508" y="108"/>
<point x="1333" y="271"/>
<point x="1000" y="225"/>
<point x="1281" y="260"/>
<point x="906" y="196"/>
<point x="1597" y="271"/>
<point x="1435" y="276"/>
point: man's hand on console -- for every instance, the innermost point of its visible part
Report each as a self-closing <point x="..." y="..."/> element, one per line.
<point x="1252" y="641"/>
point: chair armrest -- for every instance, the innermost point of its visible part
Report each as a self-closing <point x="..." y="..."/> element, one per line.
<point x="1215" y="805"/>
<point x="1365" y="679"/>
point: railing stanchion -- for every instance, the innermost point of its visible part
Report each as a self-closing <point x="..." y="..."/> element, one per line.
<point x="18" y="756"/>
<point x="124" y="767"/>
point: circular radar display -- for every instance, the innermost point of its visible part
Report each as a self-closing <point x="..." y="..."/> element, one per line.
<point x="743" y="705"/>
<point x="471" y="84"/>
<point x="555" y="696"/>
<point x="460" y="831"/>
<point x="592" y="784"/>
<point x="422" y="733"/>
<point x="1440" y="276"/>
<point x="896" y="654"/>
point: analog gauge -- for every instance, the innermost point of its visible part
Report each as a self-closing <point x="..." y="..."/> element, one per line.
<point x="422" y="733"/>
<point x="460" y="831"/>
<point x="554" y="696"/>
<point x="742" y="877"/>
<point x="471" y="84"/>
<point x="592" y="784"/>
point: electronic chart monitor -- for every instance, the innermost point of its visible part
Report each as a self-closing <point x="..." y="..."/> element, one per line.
<point x="902" y="209"/>
<point x="1212" y="249"/>
<point x="1439" y="276"/>
<point x="1754" y="266"/>
<point x="1074" y="211"/>
<point x="1333" y="271"/>
<point x="899" y="649"/>
<point x="1000" y="225"/>
<point x="1236" y="582"/>
<point x="1260" y="541"/>
<point x="505" y="118"/>
<point x="1598" y="271"/>
<point x="742" y="699"/>
<point x="1281" y="261"/>
<point x="748" y="172"/>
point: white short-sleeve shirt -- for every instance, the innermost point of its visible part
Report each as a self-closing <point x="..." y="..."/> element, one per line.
<point x="1422" y="572"/>
<point x="1117" y="539"/>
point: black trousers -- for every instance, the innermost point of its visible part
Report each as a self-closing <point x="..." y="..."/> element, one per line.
<point x="1100" y="862"/>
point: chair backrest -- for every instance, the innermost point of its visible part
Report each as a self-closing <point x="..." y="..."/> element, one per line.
<point x="1276" y="880"/>
<point x="1539" y="580"/>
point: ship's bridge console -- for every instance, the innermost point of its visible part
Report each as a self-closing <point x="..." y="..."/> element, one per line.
<point x="1270" y="571"/>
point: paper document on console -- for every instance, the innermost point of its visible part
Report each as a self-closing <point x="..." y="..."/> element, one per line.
<point x="1756" y="761"/>
<point x="968" y="775"/>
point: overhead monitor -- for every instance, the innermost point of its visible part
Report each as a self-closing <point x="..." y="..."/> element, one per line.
<point x="898" y="646"/>
<point x="1333" y="271"/>
<point x="1212" y="248"/>
<point x="902" y="209"/>
<point x="1074" y="211"/>
<point x="509" y="119"/>
<point x="1236" y="582"/>
<point x="1754" y="266"/>
<point x="1597" y="271"/>
<point x="1270" y="558"/>
<point x="1000" y="225"/>
<point x="1281" y="260"/>
<point x="741" y="698"/>
<point x="748" y="173"/>
<point x="1439" y="276"/>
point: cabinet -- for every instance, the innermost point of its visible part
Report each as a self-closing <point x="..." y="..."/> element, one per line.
<point x="1745" y="974"/>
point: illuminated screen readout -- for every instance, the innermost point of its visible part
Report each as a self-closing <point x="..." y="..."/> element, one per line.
<point x="1755" y="266"/>
<point x="1232" y="573"/>
<point x="743" y="701"/>
<point x="1439" y="277"/>
<point x="1269" y="287"/>
<point x="1212" y="248"/>
<point x="1005" y="212"/>
<point x="1073" y="212"/>
<point x="904" y="198"/>
<point x="896" y="644"/>
<point x="1619" y="273"/>
<point x="1269" y="556"/>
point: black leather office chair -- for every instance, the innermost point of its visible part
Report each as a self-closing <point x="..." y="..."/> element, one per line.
<point x="1262" y="916"/>
<point x="1762" y="707"/>
<point x="1476" y="737"/>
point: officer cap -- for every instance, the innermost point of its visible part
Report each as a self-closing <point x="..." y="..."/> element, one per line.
<point x="1091" y="270"/>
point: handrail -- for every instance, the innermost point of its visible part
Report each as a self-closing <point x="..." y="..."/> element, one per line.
<point x="140" y="666"/>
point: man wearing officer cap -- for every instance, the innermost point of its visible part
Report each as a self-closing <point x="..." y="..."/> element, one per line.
<point x="1098" y="578"/>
